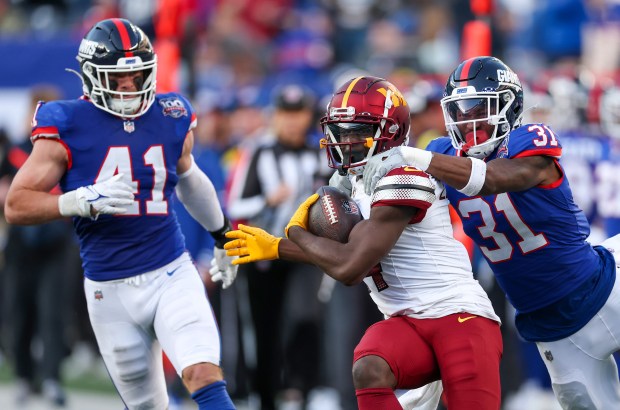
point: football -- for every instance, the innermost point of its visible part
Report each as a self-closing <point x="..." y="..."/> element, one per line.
<point x="334" y="215"/>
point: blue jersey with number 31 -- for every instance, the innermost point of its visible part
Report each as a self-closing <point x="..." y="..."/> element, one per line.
<point x="146" y="150"/>
<point x="535" y="242"/>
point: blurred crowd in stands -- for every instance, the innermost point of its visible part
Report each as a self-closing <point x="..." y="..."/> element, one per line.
<point x="232" y="58"/>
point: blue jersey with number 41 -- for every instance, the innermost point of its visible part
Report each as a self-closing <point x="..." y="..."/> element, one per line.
<point x="146" y="150"/>
<point x="535" y="242"/>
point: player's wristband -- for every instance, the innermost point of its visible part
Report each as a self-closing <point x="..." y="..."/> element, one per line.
<point x="69" y="205"/>
<point x="416" y="157"/>
<point x="220" y="234"/>
<point x="476" y="178"/>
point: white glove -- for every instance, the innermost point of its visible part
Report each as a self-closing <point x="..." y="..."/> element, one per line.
<point x="380" y="164"/>
<point x="341" y="182"/>
<point x="111" y="196"/>
<point x="222" y="269"/>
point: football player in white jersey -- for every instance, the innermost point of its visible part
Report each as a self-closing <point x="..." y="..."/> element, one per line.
<point x="440" y="324"/>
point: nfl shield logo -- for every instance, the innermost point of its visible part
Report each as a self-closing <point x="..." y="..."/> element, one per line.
<point x="98" y="295"/>
<point x="129" y="126"/>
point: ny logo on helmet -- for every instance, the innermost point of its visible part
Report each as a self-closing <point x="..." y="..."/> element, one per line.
<point x="505" y="76"/>
<point x="87" y="48"/>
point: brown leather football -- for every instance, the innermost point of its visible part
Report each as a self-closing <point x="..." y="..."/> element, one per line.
<point x="334" y="215"/>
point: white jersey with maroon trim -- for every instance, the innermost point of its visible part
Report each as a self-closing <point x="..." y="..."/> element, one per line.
<point x="427" y="274"/>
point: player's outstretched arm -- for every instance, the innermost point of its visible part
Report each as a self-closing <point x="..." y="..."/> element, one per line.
<point x="379" y="165"/>
<point x="253" y="244"/>
<point x="469" y="175"/>
<point x="368" y="242"/>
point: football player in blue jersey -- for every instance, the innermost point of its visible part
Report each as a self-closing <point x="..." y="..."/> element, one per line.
<point x="118" y="153"/>
<point x="507" y="185"/>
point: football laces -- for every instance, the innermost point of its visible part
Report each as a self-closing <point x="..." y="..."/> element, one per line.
<point x="328" y="207"/>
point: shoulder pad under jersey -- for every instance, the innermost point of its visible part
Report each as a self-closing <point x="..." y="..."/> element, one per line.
<point x="405" y="186"/>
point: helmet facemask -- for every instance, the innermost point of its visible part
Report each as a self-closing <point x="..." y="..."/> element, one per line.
<point x="472" y="111"/>
<point x="350" y="144"/>
<point x="352" y="139"/>
<point x="102" y="90"/>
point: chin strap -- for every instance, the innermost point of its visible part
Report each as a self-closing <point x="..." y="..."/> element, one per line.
<point x="70" y="70"/>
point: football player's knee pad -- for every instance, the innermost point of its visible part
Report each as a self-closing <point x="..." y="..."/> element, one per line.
<point x="573" y="396"/>
<point x="132" y="362"/>
<point x="370" y="371"/>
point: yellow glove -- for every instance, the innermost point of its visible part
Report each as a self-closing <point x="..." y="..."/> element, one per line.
<point x="251" y="244"/>
<point x="300" y="217"/>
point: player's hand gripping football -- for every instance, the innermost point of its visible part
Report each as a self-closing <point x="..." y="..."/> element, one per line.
<point x="300" y="217"/>
<point x="251" y="244"/>
<point x="111" y="196"/>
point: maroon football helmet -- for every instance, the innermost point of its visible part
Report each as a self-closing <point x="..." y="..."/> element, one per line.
<point x="365" y="116"/>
